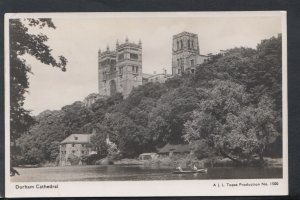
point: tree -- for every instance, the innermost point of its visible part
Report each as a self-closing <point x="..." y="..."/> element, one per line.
<point x="236" y="129"/>
<point x="23" y="42"/>
<point x="45" y="134"/>
<point x="98" y="141"/>
<point x="166" y="120"/>
<point x="75" y="117"/>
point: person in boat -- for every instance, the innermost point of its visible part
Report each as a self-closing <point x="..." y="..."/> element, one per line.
<point x="195" y="168"/>
<point x="179" y="168"/>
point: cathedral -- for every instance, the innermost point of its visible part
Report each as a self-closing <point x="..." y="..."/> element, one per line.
<point x="121" y="69"/>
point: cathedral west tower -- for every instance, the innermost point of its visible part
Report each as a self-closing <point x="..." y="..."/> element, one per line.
<point x="120" y="70"/>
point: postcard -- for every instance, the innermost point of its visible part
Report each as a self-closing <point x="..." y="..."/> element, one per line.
<point x="146" y="104"/>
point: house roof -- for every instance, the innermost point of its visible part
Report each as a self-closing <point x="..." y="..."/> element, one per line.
<point x="77" y="138"/>
<point x="179" y="148"/>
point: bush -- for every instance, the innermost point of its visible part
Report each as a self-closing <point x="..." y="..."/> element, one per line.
<point x="73" y="159"/>
<point x="90" y="159"/>
<point x="202" y="149"/>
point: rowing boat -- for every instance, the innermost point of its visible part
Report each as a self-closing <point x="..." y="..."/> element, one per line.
<point x="190" y="171"/>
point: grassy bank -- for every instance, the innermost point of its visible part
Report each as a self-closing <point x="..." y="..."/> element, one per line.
<point x="189" y="161"/>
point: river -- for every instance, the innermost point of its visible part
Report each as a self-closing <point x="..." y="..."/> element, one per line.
<point x="136" y="173"/>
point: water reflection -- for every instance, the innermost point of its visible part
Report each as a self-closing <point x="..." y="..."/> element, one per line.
<point x="137" y="172"/>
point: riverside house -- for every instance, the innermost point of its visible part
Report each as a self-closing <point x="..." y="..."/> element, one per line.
<point x="75" y="145"/>
<point x="170" y="149"/>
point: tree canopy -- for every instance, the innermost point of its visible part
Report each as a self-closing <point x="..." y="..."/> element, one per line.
<point x="230" y="107"/>
<point x="22" y="42"/>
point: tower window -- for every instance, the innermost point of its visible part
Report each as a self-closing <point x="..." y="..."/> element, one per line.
<point x="192" y="44"/>
<point x="189" y="44"/>
<point x="177" y="45"/>
<point x="134" y="56"/>
<point x="120" y="70"/>
<point x="121" y="57"/>
<point x="192" y="63"/>
<point x="181" y="44"/>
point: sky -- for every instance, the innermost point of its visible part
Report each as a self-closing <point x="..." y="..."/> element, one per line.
<point x="79" y="37"/>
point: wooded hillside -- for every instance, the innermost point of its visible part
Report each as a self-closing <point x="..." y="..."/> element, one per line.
<point x="231" y="106"/>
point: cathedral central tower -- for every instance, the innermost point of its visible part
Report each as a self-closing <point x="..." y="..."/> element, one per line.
<point x="185" y="53"/>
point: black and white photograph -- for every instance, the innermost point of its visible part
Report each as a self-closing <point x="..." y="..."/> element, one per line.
<point x="146" y="100"/>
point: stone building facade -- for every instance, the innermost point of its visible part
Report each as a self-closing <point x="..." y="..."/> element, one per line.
<point x="186" y="53"/>
<point x="156" y="77"/>
<point x="120" y="70"/>
<point x="75" y="145"/>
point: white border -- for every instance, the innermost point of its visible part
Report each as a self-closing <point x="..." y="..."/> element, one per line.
<point x="150" y="188"/>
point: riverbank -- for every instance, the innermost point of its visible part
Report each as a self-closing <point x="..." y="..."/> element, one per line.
<point x="187" y="162"/>
<point x="172" y="162"/>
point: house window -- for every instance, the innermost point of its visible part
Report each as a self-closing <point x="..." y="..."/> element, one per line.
<point x="82" y="152"/>
<point x="193" y="71"/>
<point x="73" y="145"/>
<point x="76" y="138"/>
<point x="73" y="151"/>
